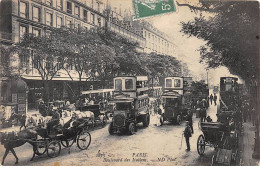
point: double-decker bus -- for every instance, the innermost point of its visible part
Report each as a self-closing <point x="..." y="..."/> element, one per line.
<point x="175" y="100"/>
<point x="131" y="104"/>
<point x="229" y="90"/>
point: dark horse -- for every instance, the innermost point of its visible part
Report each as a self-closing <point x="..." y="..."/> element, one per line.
<point x="11" y="140"/>
<point x="20" y="117"/>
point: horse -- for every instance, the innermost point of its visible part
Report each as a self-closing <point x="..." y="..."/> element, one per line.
<point x="11" y="140"/>
<point x="20" y="117"/>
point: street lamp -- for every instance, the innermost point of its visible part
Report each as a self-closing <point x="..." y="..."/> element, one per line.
<point x="207" y="76"/>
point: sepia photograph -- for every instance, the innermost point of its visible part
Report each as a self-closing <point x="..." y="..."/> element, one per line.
<point x="129" y="82"/>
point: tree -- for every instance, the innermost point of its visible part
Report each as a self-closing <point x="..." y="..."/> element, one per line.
<point x="45" y="57"/>
<point x="230" y="34"/>
<point x="6" y="67"/>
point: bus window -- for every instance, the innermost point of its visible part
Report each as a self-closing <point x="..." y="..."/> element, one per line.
<point x="123" y="106"/>
<point x="118" y="84"/>
<point x="129" y="84"/>
<point x="168" y="82"/>
<point x="177" y="83"/>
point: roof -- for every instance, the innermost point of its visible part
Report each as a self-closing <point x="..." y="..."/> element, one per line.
<point x="97" y="91"/>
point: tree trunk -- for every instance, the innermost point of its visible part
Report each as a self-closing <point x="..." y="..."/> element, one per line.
<point x="46" y="91"/>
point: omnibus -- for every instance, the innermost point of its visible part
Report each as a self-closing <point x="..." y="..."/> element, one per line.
<point x="175" y="100"/>
<point x="229" y="91"/>
<point x="131" y="104"/>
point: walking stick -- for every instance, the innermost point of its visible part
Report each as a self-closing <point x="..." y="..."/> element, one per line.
<point x="181" y="141"/>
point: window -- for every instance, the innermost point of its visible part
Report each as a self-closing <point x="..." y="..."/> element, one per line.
<point x="23" y="10"/>
<point x="49" y="2"/>
<point x="25" y="58"/>
<point x="36" y="32"/>
<point x="59" y="4"/>
<point x="59" y="22"/>
<point x="77" y="11"/>
<point x="92" y="3"/>
<point x="168" y="82"/>
<point x="92" y="18"/>
<point x="36" y="14"/>
<point x="149" y="35"/>
<point x="23" y="30"/>
<point x="69" y="23"/>
<point x="48" y="33"/>
<point x="85" y="15"/>
<point x="77" y="26"/>
<point x="49" y="18"/>
<point x="128" y="84"/>
<point x="177" y="83"/>
<point x="49" y="63"/>
<point x="99" y="21"/>
<point x="69" y="7"/>
<point x="118" y="84"/>
<point x="59" y="63"/>
<point x="98" y="6"/>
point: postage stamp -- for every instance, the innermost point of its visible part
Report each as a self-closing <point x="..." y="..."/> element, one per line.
<point x="148" y="8"/>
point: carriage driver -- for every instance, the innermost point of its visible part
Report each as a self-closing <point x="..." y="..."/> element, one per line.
<point x="70" y="125"/>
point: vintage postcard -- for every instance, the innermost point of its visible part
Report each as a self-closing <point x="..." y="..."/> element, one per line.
<point x="129" y="83"/>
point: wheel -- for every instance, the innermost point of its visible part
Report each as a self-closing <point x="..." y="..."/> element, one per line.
<point x="178" y="120"/>
<point x="131" y="129"/>
<point x="213" y="160"/>
<point x="41" y="147"/>
<point x="110" y="128"/>
<point x="161" y="120"/>
<point x="201" y="145"/>
<point x="67" y="143"/>
<point x="53" y="149"/>
<point x="83" y="140"/>
<point x="146" y="120"/>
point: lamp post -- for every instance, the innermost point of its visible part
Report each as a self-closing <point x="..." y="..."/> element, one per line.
<point x="256" y="153"/>
<point x="207" y="76"/>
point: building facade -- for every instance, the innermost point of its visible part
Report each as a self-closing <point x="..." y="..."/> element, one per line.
<point x="149" y="38"/>
<point x="38" y="17"/>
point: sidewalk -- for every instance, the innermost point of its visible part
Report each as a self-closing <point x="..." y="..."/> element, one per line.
<point x="246" y="146"/>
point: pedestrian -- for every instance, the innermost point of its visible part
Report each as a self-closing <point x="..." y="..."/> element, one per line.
<point x="189" y="119"/>
<point x="215" y="99"/>
<point x="159" y="110"/>
<point x="203" y="114"/>
<point x="187" y="134"/>
<point x="211" y="98"/>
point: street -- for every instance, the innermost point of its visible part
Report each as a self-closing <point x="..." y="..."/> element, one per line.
<point x="154" y="145"/>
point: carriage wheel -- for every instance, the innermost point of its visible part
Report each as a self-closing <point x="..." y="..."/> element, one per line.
<point x="83" y="140"/>
<point x="40" y="147"/>
<point x="201" y="145"/>
<point x="213" y="160"/>
<point x="67" y="143"/>
<point x="53" y="149"/>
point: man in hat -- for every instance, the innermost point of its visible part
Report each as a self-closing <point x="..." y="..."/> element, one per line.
<point x="189" y="119"/>
<point x="187" y="135"/>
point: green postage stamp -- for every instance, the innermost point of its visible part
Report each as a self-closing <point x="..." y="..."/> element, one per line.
<point x="147" y="8"/>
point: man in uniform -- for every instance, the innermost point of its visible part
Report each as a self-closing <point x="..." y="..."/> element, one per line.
<point x="187" y="135"/>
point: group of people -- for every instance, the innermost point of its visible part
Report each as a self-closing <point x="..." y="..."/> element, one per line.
<point x="213" y="98"/>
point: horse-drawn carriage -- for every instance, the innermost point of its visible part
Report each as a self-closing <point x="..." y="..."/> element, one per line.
<point x="219" y="136"/>
<point x="51" y="138"/>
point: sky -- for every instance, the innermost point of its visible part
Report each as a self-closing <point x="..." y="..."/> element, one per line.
<point x="186" y="47"/>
